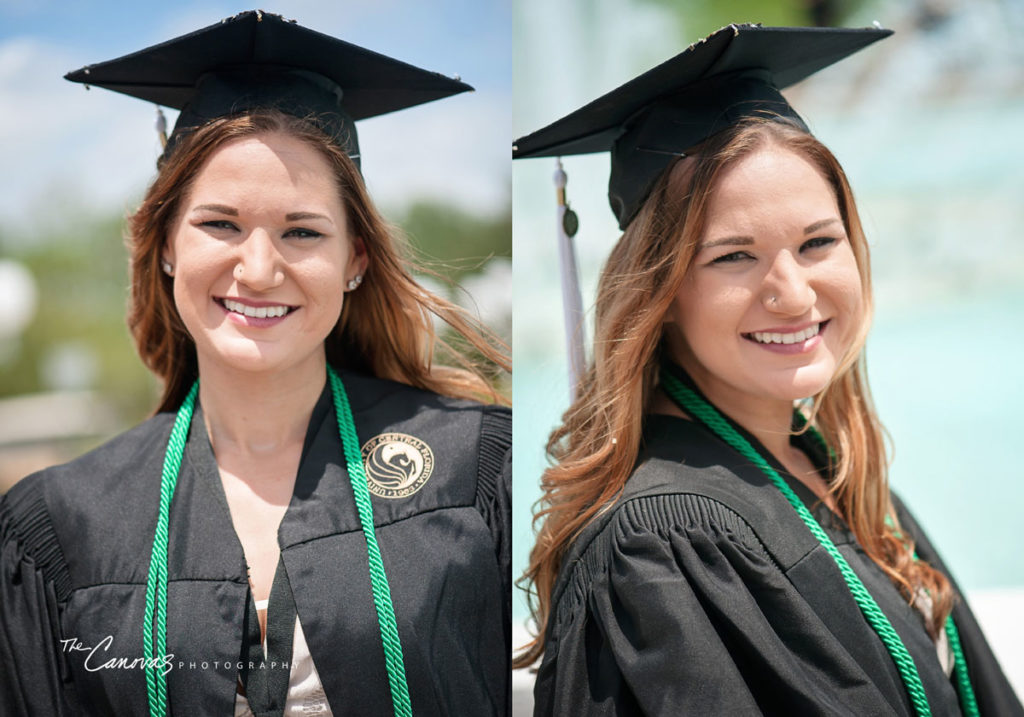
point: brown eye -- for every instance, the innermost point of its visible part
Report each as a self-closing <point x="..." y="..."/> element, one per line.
<point x="219" y="224"/>
<point x="299" y="233"/>
<point x="818" y="242"/>
<point x="731" y="258"/>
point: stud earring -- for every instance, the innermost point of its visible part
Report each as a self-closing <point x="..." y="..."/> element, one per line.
<point x="167" y="267"/>
<point x="354" y="283"/>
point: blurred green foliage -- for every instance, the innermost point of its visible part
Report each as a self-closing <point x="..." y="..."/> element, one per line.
<point x="454" y="245"/>
<point x="452" y="242"/>
<point x="699" y="18"/>
<point x="81" y="274"/>
<point x="81" y="271"/>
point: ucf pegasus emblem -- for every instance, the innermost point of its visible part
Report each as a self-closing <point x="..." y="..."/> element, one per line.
<point x="397" y="465"/>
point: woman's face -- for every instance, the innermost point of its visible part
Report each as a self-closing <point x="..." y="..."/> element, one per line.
<point x="261" y="255"/>
<point x="773" y="299"/>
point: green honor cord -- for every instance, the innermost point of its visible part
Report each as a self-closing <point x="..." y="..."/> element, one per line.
<point x="703" y="411"/>
<point x="156" y="580"/>
<point x="378" y="580"/>
<point x="968" y="702"/>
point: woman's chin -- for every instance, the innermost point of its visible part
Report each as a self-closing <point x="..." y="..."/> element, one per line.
<point x="800" y="383"/>
<point x="248" y="357"/>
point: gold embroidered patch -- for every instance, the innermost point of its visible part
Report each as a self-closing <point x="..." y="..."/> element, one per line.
<point x="397" y="464"/>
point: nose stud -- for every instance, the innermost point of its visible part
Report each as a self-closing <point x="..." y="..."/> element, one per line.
<point x="239" y="270"/>
<point x="772" y="300"/>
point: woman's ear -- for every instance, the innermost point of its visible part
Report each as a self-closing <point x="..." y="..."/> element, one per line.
<point x="670" y="316"/>
<point x="359" y="260"/>
<point x="167" y="259"/>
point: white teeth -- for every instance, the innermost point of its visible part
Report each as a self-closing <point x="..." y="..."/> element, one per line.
<point x="262" y="312"/>
<point x="771" y="338"/>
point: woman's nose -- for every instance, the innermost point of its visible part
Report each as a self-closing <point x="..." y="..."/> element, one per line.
<point x="787" y="287"/>
<point x="259" y="262"/>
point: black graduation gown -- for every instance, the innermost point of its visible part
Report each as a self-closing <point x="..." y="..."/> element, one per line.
<point x="75" y="542"/>
<point x="701" y="592"/>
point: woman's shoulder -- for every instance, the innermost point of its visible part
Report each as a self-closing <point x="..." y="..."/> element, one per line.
<point x="646" y="538"/>
<point x="679" y="456"/>
<point x="660" y="517"/>
<point x="687" y="486"/>
<point x="108" y="469"/>
<point x="368" y="393"/>
<point x="53" y="510"/>
<point x="461" y="447"/>
<point x="381" y="406"/>
<point x="682" y="463"/>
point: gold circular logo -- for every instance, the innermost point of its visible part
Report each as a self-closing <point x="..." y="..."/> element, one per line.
<point x="397" y="465"/>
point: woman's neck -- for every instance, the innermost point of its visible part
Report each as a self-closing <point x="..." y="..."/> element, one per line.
<point x="257" y="415"/>
<point x="769" y="420"/>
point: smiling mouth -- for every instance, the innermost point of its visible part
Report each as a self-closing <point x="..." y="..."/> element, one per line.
<point x="256" y="312"/>
<point x="792" y="338"/>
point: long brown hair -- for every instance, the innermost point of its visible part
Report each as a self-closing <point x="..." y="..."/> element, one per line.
<point x="385" y="328"/>
<point x="594" y="450"/>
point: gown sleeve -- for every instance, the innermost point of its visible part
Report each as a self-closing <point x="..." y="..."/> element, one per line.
<point x="34" y="677"/>
<point x="676" y="608"/>
<point x="494" y="487"/>
<point x="494" y="501"/>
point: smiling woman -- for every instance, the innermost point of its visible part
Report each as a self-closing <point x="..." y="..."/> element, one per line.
<point x="717" y="535"/>
<point x="738" y="313"/>
<point x="267" y="543"/>
<point x="248" y="267"/>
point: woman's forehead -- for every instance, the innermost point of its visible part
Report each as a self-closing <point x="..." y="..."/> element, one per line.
<point x="266" y="166"/>
<point x="769" y="184"/>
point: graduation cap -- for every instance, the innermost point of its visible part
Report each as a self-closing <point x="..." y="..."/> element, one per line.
<point x="732" y="74"/>
<point x="259" y="60"/>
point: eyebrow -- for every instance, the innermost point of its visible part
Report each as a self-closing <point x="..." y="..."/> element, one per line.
<point x="811" y="228"/>
<point x="734" y="241"/>
<point x="747" y="241"/>
<point x="301" y="216"/>
<point x="232" y="212"/>
<point x="219" y="208"/>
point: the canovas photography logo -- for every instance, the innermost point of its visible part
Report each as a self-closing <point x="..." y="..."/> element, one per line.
<point x="97" y="657"/>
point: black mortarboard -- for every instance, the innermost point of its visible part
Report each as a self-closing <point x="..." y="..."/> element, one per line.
<point x="733" y="74"/>
<point x="258" y="60"/>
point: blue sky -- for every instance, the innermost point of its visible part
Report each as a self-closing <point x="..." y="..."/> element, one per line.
<point x="96" y="150"/>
